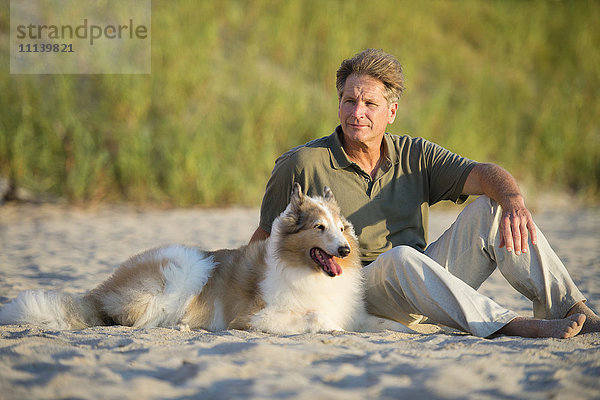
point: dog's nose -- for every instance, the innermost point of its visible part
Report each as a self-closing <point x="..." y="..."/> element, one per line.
<point x="343" y="251"/>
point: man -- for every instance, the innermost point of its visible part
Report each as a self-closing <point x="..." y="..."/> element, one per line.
<point x="384" y="183"/>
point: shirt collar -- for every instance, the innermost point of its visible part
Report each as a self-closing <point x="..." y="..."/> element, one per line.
<point x="339" y="158"/>
<point x="390" y="150"/>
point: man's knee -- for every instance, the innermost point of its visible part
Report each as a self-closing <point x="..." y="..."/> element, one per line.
<point x="400" y="255"/>
<point x="483" y="205"/>
<point x="401" y="261"/>
<point x="483" y="211"/>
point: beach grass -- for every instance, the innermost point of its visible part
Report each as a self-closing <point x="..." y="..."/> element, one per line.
<point x="234" y="84"/>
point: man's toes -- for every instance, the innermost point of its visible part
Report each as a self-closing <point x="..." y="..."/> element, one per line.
<point x="574" y="325"/>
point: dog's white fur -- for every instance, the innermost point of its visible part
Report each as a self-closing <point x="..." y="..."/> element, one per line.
<point x="306" y="277"/>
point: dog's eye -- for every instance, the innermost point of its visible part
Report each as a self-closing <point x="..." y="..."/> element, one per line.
<point x="320" y="227"/>
<point x="342" y="229"/>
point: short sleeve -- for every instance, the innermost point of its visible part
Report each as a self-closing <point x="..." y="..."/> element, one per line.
<point x="447" y="172"/>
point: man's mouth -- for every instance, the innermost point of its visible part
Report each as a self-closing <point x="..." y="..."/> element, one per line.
<point x="326" y="262"/>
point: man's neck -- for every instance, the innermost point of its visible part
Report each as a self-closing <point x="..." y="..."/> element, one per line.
<point x="367" y="156"/>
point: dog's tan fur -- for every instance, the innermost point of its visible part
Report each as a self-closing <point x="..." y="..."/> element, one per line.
<point x="295" y="281"/>
<point x="242" y="297"/>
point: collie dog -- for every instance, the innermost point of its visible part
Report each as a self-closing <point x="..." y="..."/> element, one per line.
<point x="306" y="277"/>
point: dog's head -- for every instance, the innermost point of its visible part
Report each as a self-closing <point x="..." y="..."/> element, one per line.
<point x="311" y="231"/>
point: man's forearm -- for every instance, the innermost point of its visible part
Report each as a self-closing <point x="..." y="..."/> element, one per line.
<point x="496" y="183"/>
<point x="517" y="224"/>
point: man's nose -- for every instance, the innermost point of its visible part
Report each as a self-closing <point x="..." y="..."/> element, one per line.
<point x="359" y="110"/>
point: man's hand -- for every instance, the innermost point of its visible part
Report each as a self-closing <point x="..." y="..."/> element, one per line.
<point x="515" y="227"/>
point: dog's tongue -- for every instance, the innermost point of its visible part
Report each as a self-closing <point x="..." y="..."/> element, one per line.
<point x="326" y="262"/>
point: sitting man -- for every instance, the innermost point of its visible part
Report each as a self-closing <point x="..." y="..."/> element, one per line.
<point x="383" y="184"/>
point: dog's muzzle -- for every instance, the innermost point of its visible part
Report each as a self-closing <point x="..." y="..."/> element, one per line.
<point x="327" y="262"/>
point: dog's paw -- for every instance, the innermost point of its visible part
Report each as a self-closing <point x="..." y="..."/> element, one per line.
<point x="317" y="322"/>
<point x="371" y="323"/>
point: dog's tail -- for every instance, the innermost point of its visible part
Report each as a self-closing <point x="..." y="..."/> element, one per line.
<point x="50" y="309"/>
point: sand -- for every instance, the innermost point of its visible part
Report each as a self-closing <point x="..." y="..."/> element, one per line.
<point x="71" y="249"/>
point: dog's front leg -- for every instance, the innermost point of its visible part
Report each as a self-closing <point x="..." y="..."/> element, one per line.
<point x="317" y="322"/>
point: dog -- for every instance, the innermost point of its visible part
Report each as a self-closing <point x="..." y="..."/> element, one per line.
<point x="305" y="277"/>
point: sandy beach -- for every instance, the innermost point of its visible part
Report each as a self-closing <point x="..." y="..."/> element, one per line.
<point x="73" y="249"/>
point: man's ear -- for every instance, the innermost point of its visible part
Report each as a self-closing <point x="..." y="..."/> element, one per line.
<point x="393" y="112"/>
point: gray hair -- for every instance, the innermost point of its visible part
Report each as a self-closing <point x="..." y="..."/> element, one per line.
<point x="376" y="64"/>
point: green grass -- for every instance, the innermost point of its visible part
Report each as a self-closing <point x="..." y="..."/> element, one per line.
<point x="236" y="83"/>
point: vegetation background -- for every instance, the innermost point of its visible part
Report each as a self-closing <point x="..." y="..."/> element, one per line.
<point x="236" y="83"/>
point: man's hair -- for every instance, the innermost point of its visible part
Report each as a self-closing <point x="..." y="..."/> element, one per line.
<point x="376" y="64"/>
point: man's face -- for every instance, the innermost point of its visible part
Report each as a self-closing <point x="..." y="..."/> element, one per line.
<point x="363" y="110"/>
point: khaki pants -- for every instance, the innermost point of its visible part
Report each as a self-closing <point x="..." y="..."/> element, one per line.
<point x="440" y="285"/>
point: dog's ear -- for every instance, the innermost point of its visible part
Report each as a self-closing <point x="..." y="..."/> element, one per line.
<point x="328" y="194"/>
<point x="292" y="217"/>
<point x="297" y="196"/>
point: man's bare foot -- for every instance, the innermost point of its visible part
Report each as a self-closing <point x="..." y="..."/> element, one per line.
<point x="592" y="322"/>
<point x="544" y="328"/>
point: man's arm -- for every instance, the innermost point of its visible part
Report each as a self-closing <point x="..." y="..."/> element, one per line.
<point x="496" y="183"/>
<point x="259" y="234"/>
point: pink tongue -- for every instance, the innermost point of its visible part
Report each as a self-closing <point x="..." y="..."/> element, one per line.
<point x="333" y="266"/>
<point x="328" y="263"/>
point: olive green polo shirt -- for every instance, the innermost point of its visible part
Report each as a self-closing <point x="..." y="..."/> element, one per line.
<point x="386" y="211"/>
